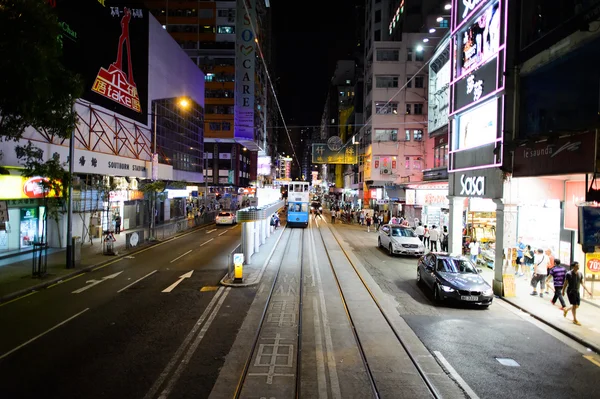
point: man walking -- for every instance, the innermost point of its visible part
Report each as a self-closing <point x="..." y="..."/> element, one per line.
<point x="558" y="273"/>
<point x="434" y="236"/>
<point x="573" y="280"/>
<point x="540" y="270"/>
<point x="420" y="231"/>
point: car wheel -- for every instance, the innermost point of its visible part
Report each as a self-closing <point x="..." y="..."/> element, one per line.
<point x="419" y="281"/>
<point x="437" y="296"/>
<point x="378" y="242"/>
<point x="391" y="250"/>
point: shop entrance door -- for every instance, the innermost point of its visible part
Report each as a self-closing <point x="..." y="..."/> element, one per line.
<point x="29" y="227"/>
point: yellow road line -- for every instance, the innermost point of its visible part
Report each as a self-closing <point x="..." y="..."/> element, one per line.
<point x="64" y="281"/>
<point x="209" y="288"/>
<point x="16" y="299"/>
<point x="592" y="359"/>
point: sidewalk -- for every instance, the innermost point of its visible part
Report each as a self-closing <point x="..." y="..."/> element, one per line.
<point x="588" y="334"/>
<point x="16" y="272"/>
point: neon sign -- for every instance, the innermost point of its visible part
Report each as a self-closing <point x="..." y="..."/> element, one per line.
<point x="396" y="16"/>
<point x="474" y="87"/>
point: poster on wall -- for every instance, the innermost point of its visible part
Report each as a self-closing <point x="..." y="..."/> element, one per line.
<point x="476" y="127"/>
<point x="592" y="264"/>
<point x="106" y="43"/>
<point x="574" y="195"/>
<point x="480" y="41"/>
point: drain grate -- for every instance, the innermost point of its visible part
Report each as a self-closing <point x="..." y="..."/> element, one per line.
<point x="508" y="362"/>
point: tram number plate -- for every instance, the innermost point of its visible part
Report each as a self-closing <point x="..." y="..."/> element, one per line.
<point x="469" y="298"/>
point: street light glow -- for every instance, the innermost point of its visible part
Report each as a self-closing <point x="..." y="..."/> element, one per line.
<point x="425" y="40"/>
<point x="432" y="30"/>
<point x="184" y="103"/>
<point x="419" y="48"/>
<point x="447" y="6"/>
<point x="440" y="19"/>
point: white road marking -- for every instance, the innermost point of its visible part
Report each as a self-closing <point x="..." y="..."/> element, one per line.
<point x="180" y="256"/>
<point x="223" y="233"/>
<point x="462" y="383"/>
<point x="190" y="352"/>
<point x="176" y="283"/>
<point x="44" y="333"/>
<point x="321" y="378"/>
<point x="163" y="376"/>
<point x="137" y="281"/>
<point x="92" y="283"/>
<point x="331" y="362"/>
<point x="204" y="243"/>
<point x="210" y="231"/>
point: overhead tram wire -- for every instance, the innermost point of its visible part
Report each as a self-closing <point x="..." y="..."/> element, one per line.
<point x="271" y="83"/>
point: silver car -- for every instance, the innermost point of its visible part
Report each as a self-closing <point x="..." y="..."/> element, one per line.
<point x="400" y="240"/>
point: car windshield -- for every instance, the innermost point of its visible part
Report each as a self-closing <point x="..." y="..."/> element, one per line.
<point x="400" y="232"/>
<point x="224" y="214"/>
<point x="455" y="265"/>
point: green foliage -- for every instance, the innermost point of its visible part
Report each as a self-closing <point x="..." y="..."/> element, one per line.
<point x="159" y="186"/>
<point x="36" y="89"/>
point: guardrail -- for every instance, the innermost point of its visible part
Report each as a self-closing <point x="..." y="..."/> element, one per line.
<point x="255" y="214"/>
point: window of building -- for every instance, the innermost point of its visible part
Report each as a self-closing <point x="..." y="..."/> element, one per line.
<point x="417" y="163"/>
<point x="205" y="13"/>
<point x="386" y="134"/>
<point x="407" y="163"/>
<point x="419" y="56"/>
<point x="418" y="109"/>
<point x="409" y="80"/>
<point x="377" y="16"/>
<point x="384" y="82"/>
<point x="407" y="135"/>
<point x="207" y="29"/>
<point x="408" y="109"/>
<point x="209" y="77"/>
<point x="418" y="135"/>
<point x="409" y="54"/>
<point x="385" y="108"/>
<point x="388" y="54"/>
<point x="347" y="81"/>
<point x="214" y="126"/>
<point x="419" y="82"/>
<point x="226" y="126"/>
<point x="378" y="35"/>
<point x="224" y="13"/>
<point x="440" y="155"/>
<point x="225" y="29"/>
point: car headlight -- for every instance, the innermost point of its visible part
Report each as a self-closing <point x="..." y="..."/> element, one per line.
<point x="488" y="292"/>
<point x="421" y="247"/>
<point x="447" y="289"/>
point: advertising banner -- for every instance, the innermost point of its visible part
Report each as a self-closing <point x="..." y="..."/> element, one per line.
<point x="477" y="126"/>
<point x="589" y="228"/>
<point x="574" y="194"/>
<point x="439" y="89"/>
<point x="245" y="58"/>
<point x="476" y="86"/>
<point x="106" y="43"/>
<point x="592" y="264"/>
<point x="321" y="154"/>
<point x="19" y="187"/>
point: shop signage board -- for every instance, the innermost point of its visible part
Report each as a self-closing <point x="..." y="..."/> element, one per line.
<point x="567" y="155"/>
<point x="472" y="186"/>
<point x="19" y="187"/>
<point x="574" y="195"/>
<point x="245" y="59"/>
<point x="592" y="264"/>
<point x="589" y="228"/>
<point x="476" y="86"/>
<point x="432" y="197"/>
<point x="321" y="154"/>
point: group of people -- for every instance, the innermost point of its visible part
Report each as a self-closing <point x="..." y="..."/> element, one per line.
<point x="550" y="274"/>
<point x="431" y="236"/>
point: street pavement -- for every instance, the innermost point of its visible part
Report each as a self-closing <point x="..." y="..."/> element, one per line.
<point x="112" y="332"/>
<point x="472" y="340"/>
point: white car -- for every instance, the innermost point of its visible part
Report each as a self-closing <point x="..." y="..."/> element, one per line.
<point x="225" y="218"/>
<point x="400" y="240"/>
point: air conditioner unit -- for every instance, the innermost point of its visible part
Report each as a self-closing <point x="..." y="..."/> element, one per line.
<point x="385" y="171"/>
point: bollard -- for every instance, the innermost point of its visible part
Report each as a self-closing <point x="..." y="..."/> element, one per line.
<point x="238" y="267"/>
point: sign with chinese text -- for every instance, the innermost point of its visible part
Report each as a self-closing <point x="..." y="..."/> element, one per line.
<point x="592" y="263"/>
<point x="106" y="43"/>
<point x="476" y="85"/>
<point x="321" y="154"/>
<point x="19" y="187"/>
<point x="245" y="58"/>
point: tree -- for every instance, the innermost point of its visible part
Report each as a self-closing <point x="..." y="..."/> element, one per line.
<point x="35" y="88"/>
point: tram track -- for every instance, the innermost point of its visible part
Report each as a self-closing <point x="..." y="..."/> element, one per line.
<point x="357" y="336"/>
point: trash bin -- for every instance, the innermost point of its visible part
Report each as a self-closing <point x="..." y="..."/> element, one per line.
<point x="76" y="251"/>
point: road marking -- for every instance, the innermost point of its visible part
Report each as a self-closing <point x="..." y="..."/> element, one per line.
<point x="190" y="352"/>
<point x="223" y="233"/>
<point x="204" y="243"/>
<point x="592" y="359"/>
<point x="42" y="334"/>
<point x="508" y="362"/>
<point x="163" y="376"/>
<point x="210" y="231"/>
<point x="64" y="281"/>
<point x="176" y="283"/>
<point x="462" y="383"/>
<point x="209" y="288"/>
<point x="321" y="378"/>
<point x="181" y="256"/>
<point x="16" y="299"/>
<point x="93" y="283"/>
<point x="137" y="281"/>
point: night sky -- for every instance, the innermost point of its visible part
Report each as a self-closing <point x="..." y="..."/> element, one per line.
<point x="309" y="37"/>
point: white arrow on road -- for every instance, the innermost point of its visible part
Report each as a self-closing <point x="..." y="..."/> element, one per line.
<point x="91" y="283"/>
<point x="176" y="283"/>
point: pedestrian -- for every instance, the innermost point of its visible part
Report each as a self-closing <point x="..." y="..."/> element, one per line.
<point x="333" y="216"/>
<point x="380" y="217"/>
<point x="376" y="221"/>
<point x="420" y="232"/>
<point x="528" y="256"/>
<point x="362" y="218"/>
<point x="573" y="280"/>
<point x="426" y="237"/>
<point x="520" y="261"/>
<point x="474" y="250"/>
<point x="444" y="240"/>
<point x="434" y="236"/>
<point x="550" y="266"/>
<point x="118" y="224"/>
<point x="540" y="270"/>
<point x="368" y="221"/>
<point x="558" y="273"/>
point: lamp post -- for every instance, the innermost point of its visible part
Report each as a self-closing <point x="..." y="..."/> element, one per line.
<point x="70" y="254"/>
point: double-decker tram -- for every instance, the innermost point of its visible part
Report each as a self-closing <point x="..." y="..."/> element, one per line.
<point x="298" y="203"/>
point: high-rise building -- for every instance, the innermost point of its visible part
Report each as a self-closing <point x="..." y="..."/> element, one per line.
<point x="226" y="39"/>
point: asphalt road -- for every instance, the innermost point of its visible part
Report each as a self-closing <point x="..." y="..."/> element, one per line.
<point x="95" y="337"/>
<point x="471" y="339"/>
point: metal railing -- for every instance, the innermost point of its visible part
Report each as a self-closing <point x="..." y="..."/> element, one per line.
<point x="164" y="231"/>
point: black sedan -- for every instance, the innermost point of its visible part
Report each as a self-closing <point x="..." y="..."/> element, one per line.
<point x="454" y="278"/>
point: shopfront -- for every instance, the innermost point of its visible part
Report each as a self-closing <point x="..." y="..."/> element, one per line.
<point x="427" y="203"/>
<point x="23" y="212"/>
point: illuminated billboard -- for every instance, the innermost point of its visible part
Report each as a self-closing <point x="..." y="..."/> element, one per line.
<point x="476" y="127"/>
<point x="439" y="88"/>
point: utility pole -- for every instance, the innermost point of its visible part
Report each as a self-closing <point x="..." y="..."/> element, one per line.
<point x="154" y="178"/>
<point x="70" y="253"/>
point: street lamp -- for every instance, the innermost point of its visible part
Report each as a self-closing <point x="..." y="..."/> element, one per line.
<point x="447" y="7"/>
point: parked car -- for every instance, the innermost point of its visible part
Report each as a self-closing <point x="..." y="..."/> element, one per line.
<point x="225" y="218"/>
<point x="454" y="278"/>
<point x="400" y="240"/>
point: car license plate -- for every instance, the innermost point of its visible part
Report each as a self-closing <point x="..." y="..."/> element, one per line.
<point x="469" y="298"/>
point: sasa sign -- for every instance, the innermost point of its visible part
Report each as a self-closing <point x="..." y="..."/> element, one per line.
<point x="472" y="186"/>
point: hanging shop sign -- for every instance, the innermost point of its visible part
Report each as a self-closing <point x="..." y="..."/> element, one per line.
<point x="245" y="65"/>
<point x="592" y="263"/>
<point x="567" y="155"/>
<point x="321" y="154"/>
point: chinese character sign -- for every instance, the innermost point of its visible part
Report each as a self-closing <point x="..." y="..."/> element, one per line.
<point x="107" y="44"/>
<point x="347" y="155"/>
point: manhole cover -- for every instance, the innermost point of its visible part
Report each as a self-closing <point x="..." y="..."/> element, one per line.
<point x="508" y="362"/>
